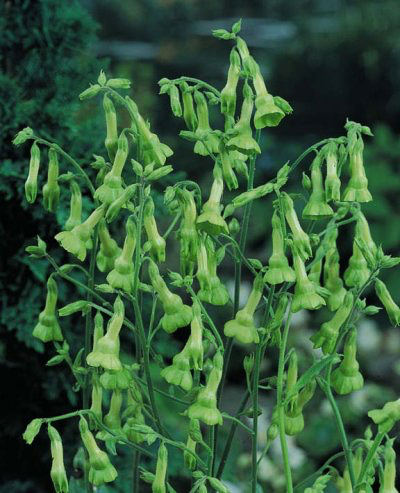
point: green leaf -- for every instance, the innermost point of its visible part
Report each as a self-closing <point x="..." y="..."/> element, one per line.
<point x="237" y="26"/>
<point x="310" y="374"/>
<point x="32" y="430"/>
<point x="56" y="360"/>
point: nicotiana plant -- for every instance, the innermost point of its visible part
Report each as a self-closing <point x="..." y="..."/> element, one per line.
<point x="302" y="273"/>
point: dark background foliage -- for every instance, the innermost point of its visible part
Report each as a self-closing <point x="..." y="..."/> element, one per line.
<point x="331" y="60"/>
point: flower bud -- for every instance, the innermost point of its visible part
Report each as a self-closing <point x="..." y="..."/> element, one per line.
<point x="228" y="93"/>
<point x="57" y="473"/>
<point x="90" y="92"/>
<point x="157" y="242"/>
<point x="392" y="309"/>
<point x="119" y="83"/>
<point x="51" y="190"/>
<point x="159" y="483"/>
<point x="111" y="141"/>
<point x="31" y="181"/>
<point x="175" y="100"/>
<point x="300" y="238"/>
<point x="48" y="328"/>
<point x="189" y="114"/>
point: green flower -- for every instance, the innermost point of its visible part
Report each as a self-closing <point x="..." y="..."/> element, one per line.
<point x="75" y="241"/>
<point x="279" y="270"/>
<point x="346" y="378"/>
<point x="305" y="291"/>
<point x="268" y="114"/>
<point x="317" y="207"/>
<point x="388" y="482"/>
<point x="228" y="93"/>
<point x="327" y="335"/>
<point x="179" y="372"/>
<point x="392" y="309"/>
<point x="100" y="468"/>
<point x="189" y="114"/>
<point x="205" y="406"/>
<point x="300" y="238"/>
<point x="157" y="242"/>
<point x="208" y="142"/>
<point x="227" y="168"/>
<point x="97" y="401"/>
<point x="176" y="314"/>
<point x="48" y="328"/>
<point x="51" y="190"/>
<point x="357" y="273"/>
<point x="31" y="181"/>
<point x="243" y="140"/>
<point x="159" y="483"/>
<point x="242" y="326"/>
<point x="109" y="250"/>
<point x="386" y="417"/>
<point x="332" y="280"/>
<point x="113" y="418"/>
<point x="121" y="277"/>
<point x="111" y="140"/>
<point x="210" y="219"/>
<point x="332" y="180"/>
<point x="57" y="473"/>
<point x="294" y="420"/>
<point x="105" y="352"/>
<point x="75" y="214"/>
<point x="187" y="234"/>
<point x="357" y="188"/>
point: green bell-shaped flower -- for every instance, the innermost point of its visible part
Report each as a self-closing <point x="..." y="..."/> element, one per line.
<point x="386" y="417"/>
<point x="210" y="219"/>
<point x="157" y="242"/>
<point x="51" y="190"/>
<point x="357" y="273"/>
<point x="116" y="380"/>
<point x="31" y="182"/>
<point x="294" y="420"/>
<point x="160" y="478"/>
<point x="205" y="406"/>
<point x="176" y="314"/>
<point x="179" y="372"/>
<point x="57" y="473"/>
<point x="111" y="140"/>
<point x="332" y="180"/>
<point x="392" y="309"/>
<point x="346" y="378"/>
<point x="278" y="270"/>
<point x="357" y="188"/>
<point x="228" y="93"/>
<point x="134" y="415"/>
<point x="317" y="207"/>
<point x="268" y="114"/>
<point x="300" y="238"/>
<point x="48" y="329"/>
<point x="189" y="114"/>
<point x="75" y="241"/>
<point x="243" y="140"/>
<point x="187" y="234"/>
<point x="105" y="353"/>
<point x="121" y="277"/>
<point x="305" y="291"/>
<point x="195" y="341"/>
<point x="75" y="213"/>
<point x="242" y="326"/>
<point x="113" y="418"/>
<point x="208" y="142"/>
<point x="100" y="468"/>
<point x="111" y="188"/>
<point x="332" y="280"/>
<point x="327" y="335"/>
<point x="109" y="250"/>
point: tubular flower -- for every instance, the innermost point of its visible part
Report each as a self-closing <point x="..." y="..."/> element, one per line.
<point x="332" y="180"/>
<point x="228" y="93"/>
<point x="210" y="219"/>
<point x="116" y="380"/>
<point x="195" y="342"/>
<point x="111" y="141"/>
<point x="189" y="114"/>
<point x="109" y="250"/>
<point x="388" y="483"/>
<point x="363" y="233"/>
<point x="294" y="420"/>
<point x="305" y="291"/>
<point x="106" y="351"/>
<point x="179" y="372"/>
<point x="134" y="415"/>
<point x="279" y="270"/>
<point x="121" y="277"/>
<point x="357" y="188"/>
<point x="159" y="483"/>
<point x="176" y="313"/>
<point x="218" y="294"/>
<point x="175" y="100"/>
<point x="315" y="272"/>
<point x="57" y="473"/>
<point x="97" y="401"/>
<point x="210" y="142"/>
<point x="111" y="189"/>
<point x="243" y="141"/>
<point x="227" y="168"/>
<point x="300" y="238"/>
<point x="157" y="242"/>
<point x="115" y="206"/>
<point x="327" y="335"/>
<point x="113" y="418"/>
<point x="187" y="234"/>
<point x="48" y="328"/>
<point x="346" y="378"/>
<point x="332" y="280"/>
<point x="75" y="241"/>
<point x="203" y="272"/>
<point x="386" y="417"/>
<point x="51" y="190"/>
<point x="392" y="309"/>
<point x="205" y="406"/>
<point x="268" y="114"/>
<point x="242" y="326"/>
<point x="100" y="468"/>
<point x="194" y="436"/>
<point x="357" y="273"/>
<point x="75" y="213"/>
<point x="317" y="207"/>
<point x="31" y="181"/>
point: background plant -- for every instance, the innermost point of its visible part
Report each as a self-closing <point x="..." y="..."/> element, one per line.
<point x="269" y="112"/>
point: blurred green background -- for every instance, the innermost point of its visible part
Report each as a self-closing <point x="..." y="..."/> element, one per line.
<point x="330" y="59"/>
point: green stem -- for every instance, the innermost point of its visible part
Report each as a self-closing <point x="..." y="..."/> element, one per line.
<point x="256" y="374"/>
<point x="371" y="453"/>
<point x="281" y="410"/>
<point x="135" y="479"/>
<point x="199" y="83"/>
<point x="171" y="226"/>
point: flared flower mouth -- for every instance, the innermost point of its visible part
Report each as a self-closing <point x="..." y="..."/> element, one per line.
<point x="267" y="113"/>
<point x="212" y="223"/>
